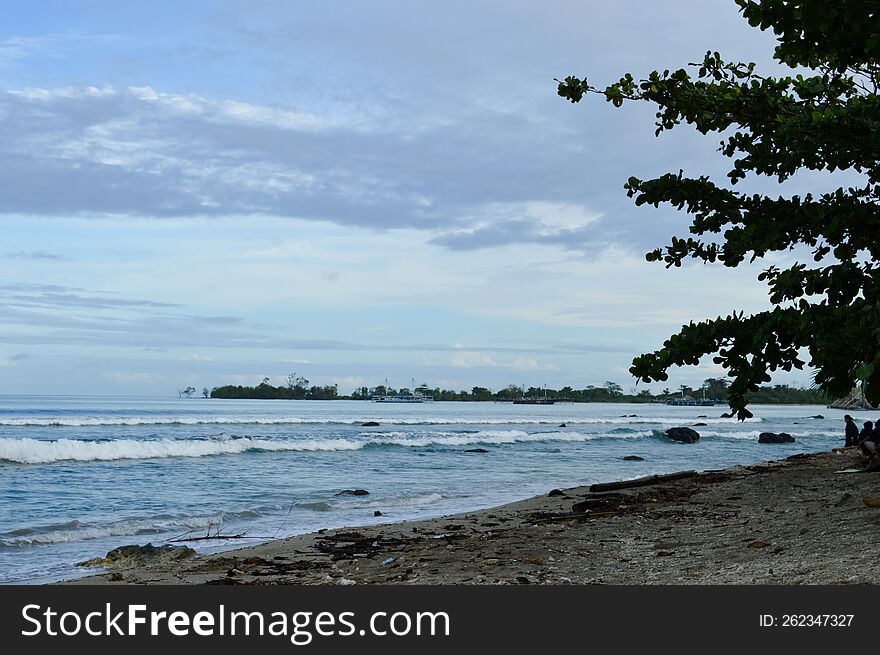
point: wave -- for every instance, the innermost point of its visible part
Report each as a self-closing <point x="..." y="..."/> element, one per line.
<point x="754" y="434"/>
<point x="37" y="451"/>
<point x="490" y="437"/>
<point x="385" y="502"/>
<point x="74" y="531"/>
<point x="290" y="420"/>
<point x="41" y="451"/>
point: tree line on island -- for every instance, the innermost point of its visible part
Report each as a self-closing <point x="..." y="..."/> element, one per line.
<point x="298" y="388"/>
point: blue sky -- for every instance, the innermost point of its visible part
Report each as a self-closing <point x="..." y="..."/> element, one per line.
<point x="220" y="191"/>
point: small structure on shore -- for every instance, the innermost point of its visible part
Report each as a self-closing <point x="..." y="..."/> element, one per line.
<point x="855" y="401"/>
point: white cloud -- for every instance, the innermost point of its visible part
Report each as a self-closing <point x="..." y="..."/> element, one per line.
<point x="531" y="364"/>
<point x="470" y="359"/>
<point x="348" y="382"/>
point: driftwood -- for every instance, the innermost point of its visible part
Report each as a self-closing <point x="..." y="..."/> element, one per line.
<point x="641" y="482"/>
<point x="216" y="537"/>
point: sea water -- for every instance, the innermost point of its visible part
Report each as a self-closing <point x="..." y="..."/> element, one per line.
<point x="82" y="475"/>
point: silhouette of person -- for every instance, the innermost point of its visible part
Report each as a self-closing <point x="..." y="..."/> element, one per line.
<point x="852" y="431"/>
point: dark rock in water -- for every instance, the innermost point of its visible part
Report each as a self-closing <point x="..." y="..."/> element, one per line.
<point x="796" y="423"/>
<point x="772" y="437"/>
<point x="702" y="416"/>
<point x="628" y="415"/>
<point x="698" y="425"/>
<point x="370" y="424"/>
<point x="134" y="555"/>
<point x="353" y="492"/>
<point x="817" y="416"/>
<point x="476" y="450"/>
<point x="377" y="513"/>
<point x="563" y="425"/>
<point x="683" y="435"/>
<point x="555" y="492"/>
<point x="634" y="458"/>
<point x="727" y="415"/>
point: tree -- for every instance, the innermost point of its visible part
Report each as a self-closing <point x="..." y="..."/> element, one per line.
<point x="205" y="392"/>
<point x="716" y="388"/>
<point x="825" y="120"/>
<point x="297" y="385"/>
<point x="481" y="393"/>
<point x="613" y="388"/>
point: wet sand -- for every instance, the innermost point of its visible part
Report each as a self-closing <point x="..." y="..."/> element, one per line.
<point x="794" y="521"/>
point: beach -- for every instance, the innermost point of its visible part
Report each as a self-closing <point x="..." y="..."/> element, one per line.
<point x="797" y="520"/>
<point x="80" y="476"/>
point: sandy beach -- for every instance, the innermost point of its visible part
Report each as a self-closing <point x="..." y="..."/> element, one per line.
<point x="794" y="521"/>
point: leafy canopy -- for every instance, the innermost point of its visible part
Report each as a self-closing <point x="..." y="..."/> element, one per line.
<point x="825" y="119"/>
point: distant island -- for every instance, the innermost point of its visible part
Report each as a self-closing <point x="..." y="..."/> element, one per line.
<point x="715" y="389"/>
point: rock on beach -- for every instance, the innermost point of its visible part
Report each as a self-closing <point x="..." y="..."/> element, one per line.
<point x="772" y="437"/>
<point x="683" y="435"/>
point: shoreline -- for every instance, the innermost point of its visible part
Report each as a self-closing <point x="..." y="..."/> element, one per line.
<point x="790" y="521"/>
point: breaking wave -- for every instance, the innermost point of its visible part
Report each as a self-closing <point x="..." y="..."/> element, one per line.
<point x="43" y="451"/>
<point x="74" y="531"/>
<point x="292" y="420"/>
<point x="38" y="451"/>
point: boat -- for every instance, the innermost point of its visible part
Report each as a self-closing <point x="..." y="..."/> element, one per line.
<point x="409" y="397"/>
<point x="403" y="398"/>
<point x="534" y="400"/>
<point x="691" y="402"/>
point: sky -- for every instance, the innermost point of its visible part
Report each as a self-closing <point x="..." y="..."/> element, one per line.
<point x="208" y="193"/>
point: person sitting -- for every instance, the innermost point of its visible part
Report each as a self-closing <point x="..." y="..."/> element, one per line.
<point x="852" y="432"/>
<point x="868" y="440"/>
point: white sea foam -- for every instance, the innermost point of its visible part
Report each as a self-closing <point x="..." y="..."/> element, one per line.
<point x="37" y="451"/>
<point x="76" y="531"/>
<point x="754" y="434"/>
<point x="295" y="420"/>
<point x="491" y="437"/>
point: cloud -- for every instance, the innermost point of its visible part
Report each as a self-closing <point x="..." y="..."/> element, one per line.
<point x="470" y="359"/>
<point x="531" y="364"/>
<point x="37" y="255"/>
<point x="347" y="382"/>
<point x="137" y="151"/>
<point x="43" y="296"/>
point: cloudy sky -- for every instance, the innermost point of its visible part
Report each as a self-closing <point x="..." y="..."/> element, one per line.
<point x="212" y="192"/>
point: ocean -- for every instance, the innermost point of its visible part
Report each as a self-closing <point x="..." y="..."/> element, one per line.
<point x="82" y="475"/>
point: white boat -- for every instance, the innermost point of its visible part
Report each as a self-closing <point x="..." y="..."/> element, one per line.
<point x="402" y="398"/>
<point x="399" y="397"/>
